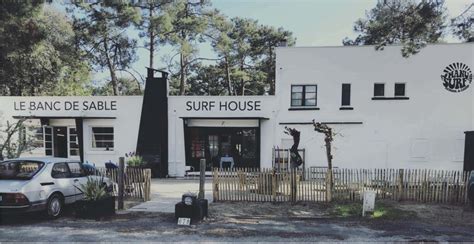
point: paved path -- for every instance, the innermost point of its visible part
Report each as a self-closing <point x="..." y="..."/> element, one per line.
<point x="165" y="193"/>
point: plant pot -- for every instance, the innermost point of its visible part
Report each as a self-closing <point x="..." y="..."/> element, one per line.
<point x="95" y="209"/>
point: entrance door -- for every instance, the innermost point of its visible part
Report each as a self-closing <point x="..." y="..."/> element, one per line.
<point x="60" y="142"/>
<point x="234" y="146"/>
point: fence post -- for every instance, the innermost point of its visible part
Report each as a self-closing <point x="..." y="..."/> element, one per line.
<point x="400" y="184"/>
<point x="215" y="188"/>
<point x="274" y="185"/>
<point x="147" y="184"/>
<point x="202" y="178"/>
<point x="293" y="184"/>
<point x="121" y="182"/>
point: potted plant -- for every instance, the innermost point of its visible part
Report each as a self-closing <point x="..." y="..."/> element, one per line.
<point x="134" y="160"/>
<point x="97" y="202"/>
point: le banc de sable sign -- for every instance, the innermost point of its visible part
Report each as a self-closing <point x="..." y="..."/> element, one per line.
<point x="82" y="105"/>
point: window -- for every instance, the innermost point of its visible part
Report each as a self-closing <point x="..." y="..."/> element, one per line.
<point x="103" y="138"/>
<point x="346" y="95"/>
<point x="73" y="143"/>
<point x="379" y="90"/>
<point x="48" y="140"/>
<point x="303" y="95"/>
<point x="76" y="170"/>
<point x="60" y="170"/>
<point x="399" y="89"/>
<point x="38" y="137"/>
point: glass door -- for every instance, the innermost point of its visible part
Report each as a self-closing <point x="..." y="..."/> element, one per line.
<point x="73" y="143"/>
<point x="48" y="140"/>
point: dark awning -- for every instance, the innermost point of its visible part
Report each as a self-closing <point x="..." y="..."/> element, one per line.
<point x="62" y="117"/>
<point x="221" y="118"/>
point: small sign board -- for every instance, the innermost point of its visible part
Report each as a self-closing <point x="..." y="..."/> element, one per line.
<point x="184" y="221"/>
<point x="369" y="202"/>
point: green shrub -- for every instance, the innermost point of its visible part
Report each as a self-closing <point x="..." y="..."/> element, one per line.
<point x="94" y="189"/>
<point x="135" y="161"/>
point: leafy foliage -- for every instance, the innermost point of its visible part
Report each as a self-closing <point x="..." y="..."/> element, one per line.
<point x="37" y="51"/>
<point x="14" y="139"/>
<point x="94" y="189"/>
<point x="135" y="161"/>
<point x="413" y="24"/>
<point x="100" y="30"/>
<point x="462" y="25"/>
<point x="188" y="20"/>
<point x="126" y="87"/>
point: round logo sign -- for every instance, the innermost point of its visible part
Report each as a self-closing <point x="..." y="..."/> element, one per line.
<point x="456" y="77"/>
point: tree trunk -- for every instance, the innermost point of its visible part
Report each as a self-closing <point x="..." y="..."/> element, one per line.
<point x="227" y="73"/>
<point x="242" y="82"/>
<point x="152" y="37"/>
<point x="113" y="76"/>
<point x="182" y="75"/>
<point x="330" y="175"/>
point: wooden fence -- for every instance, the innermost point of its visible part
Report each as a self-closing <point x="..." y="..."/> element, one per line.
<point x="269" y="185"/>
<point x="137" y="181"/>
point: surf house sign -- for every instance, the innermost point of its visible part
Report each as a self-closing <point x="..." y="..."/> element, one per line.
<point x="220" y="106"/>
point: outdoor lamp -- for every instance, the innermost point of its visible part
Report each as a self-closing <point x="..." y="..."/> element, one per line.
<point x="189" y="199"/>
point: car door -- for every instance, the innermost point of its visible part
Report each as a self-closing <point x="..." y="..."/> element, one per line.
<point x="63" y="181"/>
<point x="79" y="178"/>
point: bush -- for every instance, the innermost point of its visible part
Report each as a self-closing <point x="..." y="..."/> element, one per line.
<point x="94" y="189"/>
<point x="135" y="161"/>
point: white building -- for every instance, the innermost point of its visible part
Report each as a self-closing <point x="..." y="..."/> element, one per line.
<point x="388" y="112"/>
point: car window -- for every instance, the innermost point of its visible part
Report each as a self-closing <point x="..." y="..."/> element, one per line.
<point x="76" y="169"/>
<point x="60" y="170"/>
<point x="19" y="169"/>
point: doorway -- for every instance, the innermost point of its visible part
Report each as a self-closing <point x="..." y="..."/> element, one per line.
<point x="225" y="147"/>
<point x="60" y="142"/>
<point x="469" y="151"/>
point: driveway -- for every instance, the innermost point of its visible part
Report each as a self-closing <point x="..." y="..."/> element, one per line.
<point x="165" y="193"/>
<point x="289" y="223"/>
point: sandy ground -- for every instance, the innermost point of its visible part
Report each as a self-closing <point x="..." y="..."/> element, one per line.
<point x="253" y="222"/>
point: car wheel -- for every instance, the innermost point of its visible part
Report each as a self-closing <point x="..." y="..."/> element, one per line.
<point x="55" y="206"/>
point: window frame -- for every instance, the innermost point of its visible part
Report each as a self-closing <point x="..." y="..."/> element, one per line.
<point x="48" y="127"/>
<point x="101" y="149"/>
<point x="379" y="83"/>
<point x="69" y="148"/>
<point x="342" y="95"/>
<point x="303" y="96"/>
<point x="404" y="89"/>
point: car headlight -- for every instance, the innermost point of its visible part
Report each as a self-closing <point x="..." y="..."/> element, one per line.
<point x="188" y="201"/>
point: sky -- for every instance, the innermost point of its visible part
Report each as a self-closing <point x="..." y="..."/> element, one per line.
<point x="313" y="22"/>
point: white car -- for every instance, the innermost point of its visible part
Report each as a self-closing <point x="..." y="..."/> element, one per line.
<point x="42" y="184"/>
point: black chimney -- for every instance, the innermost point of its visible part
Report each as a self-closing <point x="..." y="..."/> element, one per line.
<point x="152" y="142"/>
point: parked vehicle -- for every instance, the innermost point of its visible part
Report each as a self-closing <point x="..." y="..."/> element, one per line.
<point x="43" y="184"/>
<point x="471" y="189"/>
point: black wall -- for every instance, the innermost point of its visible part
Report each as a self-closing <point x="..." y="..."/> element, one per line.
<point x="152" y="142"/>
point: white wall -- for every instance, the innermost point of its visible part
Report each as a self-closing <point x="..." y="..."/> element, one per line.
<point x="432" y="122"/>
<point x="125" y="118"/>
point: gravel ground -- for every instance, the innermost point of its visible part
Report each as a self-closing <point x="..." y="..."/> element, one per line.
<point x="252" y="222"/>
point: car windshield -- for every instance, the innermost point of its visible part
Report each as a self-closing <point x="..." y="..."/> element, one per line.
<point x="19" y="169"/>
